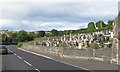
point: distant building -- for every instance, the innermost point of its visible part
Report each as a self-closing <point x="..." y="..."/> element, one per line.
<point x="6" y="31"/>
<point x="3" y="32"/>
<point x="48" y="32"/>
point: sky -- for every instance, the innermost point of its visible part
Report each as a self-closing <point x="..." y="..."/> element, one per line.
<point x="61" y="15"/>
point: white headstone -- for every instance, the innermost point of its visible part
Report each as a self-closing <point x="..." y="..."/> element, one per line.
<point x="111" y="34"/>
<point x="80" y="45"/>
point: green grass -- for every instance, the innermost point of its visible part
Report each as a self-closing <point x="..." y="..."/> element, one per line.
<point x="40" y="39"/>
<point x="19" y="44"/>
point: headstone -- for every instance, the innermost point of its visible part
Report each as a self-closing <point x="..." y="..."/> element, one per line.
<point x="111" y="34"/>
<point x="95" y="45"/>
<point x="86" y="45"/>
<point x="80" y="45"/>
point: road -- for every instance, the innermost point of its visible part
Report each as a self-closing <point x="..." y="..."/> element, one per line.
<point x="20" y="60"/>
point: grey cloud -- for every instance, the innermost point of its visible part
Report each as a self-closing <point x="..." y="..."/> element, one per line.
<point x="74" y="13"/>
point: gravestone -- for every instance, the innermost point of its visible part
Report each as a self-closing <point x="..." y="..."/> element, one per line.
<point x="95" y="45"/>
<point x="80" y="45"/>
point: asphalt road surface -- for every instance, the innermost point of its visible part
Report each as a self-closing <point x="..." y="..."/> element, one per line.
<point x="20" y="60"/>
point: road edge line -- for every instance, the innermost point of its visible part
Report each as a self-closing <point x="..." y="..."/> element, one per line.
<point x="53" y="59"/>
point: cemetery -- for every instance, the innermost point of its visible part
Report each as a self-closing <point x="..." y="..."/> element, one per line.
<point x="100" y="45"/>
<point x="101" y="39"/>
<point x="94" y="46"/>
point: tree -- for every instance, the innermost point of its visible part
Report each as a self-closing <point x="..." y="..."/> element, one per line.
<point x="12" y="37"/>
<point x="4" y="38"/>
<point x="54" y="32"/>
<point x="31" y="35"/>
<point x="41" y="33"/>
<point x="100" y="24"/>
<point x="61" y="33"/>
<point x="110" y="22"/>
<point x="91" y="27"/>
<point x="23" y="36"/>
<point x="0" y="38"/>
<point x="108" y="27"/>
<point x="66" y="32"/>
<point x="83" y="30"/>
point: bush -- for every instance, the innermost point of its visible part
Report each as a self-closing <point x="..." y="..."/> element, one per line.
<point x="20" y="44"/>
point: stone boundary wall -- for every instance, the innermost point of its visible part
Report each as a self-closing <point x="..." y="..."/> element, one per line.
<point x="102" y="54"/>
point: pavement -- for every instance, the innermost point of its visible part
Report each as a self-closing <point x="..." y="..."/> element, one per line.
<point x="22" y="60"/>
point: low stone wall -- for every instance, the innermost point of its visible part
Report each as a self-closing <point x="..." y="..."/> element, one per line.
<point x="102" y="54"/>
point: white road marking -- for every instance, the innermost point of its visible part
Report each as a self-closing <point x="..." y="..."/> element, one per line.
<point x="15" y="54"/>
<point x="23" y="60"/>
<point x="37" y="70"/>
<point x="41" y="55"/>
<point x="54" y="59"/>
<point x="19" y="57"/>
<point x="37" y="54"/>
<point x="27" y="62"/>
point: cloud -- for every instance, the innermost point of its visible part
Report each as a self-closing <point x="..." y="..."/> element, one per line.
<point x="38" y="25"/>
<point x="49" y="15"/>
<point x="6" y="23"/>
<point x="59" y="0"/>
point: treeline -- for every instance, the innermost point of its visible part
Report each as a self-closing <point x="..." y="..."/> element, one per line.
<point x="21" y="36"/>
<point x="24" y="36"/>
<point x="91" y="27"/>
